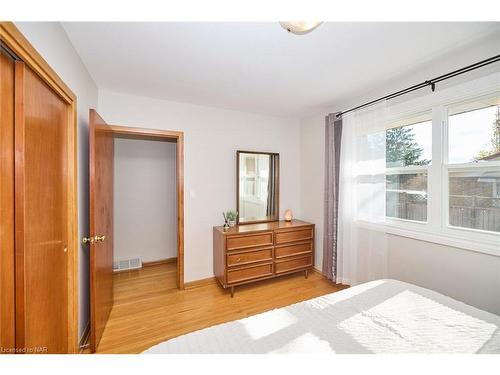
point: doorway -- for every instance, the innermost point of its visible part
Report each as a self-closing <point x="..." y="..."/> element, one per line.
<point x="113" y="182"/>
<point x="145" y="212"/>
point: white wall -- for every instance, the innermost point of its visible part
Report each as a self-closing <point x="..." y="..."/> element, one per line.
<point x="448" y="61"/>
<point x="51" y="41"/>
<point x="471" y="277"/>
<point x="468" y="276"/>
<point x="145" y="212"/>
<point x="212" y="137"/>
<point x="312" y="151"/>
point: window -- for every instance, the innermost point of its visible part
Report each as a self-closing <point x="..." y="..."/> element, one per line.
<point x="474" y="135"/>
<point x="408" y="153"/>
<point x="473" y="169"/>
<point x="443" y="171"/>
<point x="406" y="196"/>
<point x="474" y="199"/>
<point x="255" y="176"/>
<point x="409" y="145"/>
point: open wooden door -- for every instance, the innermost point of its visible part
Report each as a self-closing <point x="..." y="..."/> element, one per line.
<point x="101" y="152"/>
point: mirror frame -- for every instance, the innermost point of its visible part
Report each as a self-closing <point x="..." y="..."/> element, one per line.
<point x="267" y="219"/>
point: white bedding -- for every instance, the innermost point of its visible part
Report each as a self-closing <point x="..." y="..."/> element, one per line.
<point x="383" y="316"/>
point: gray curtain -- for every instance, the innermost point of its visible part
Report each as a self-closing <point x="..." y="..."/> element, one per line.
<point x="271" y="187"/>
<point x="333" y="135"/>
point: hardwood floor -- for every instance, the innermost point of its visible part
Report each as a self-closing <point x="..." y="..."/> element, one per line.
<point x="149" y="309"/>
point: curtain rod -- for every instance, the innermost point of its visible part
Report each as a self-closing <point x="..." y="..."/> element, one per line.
<point x="431" y="82"/>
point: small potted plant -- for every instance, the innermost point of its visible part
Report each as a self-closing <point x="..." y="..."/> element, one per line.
<point x="231" y="217"/>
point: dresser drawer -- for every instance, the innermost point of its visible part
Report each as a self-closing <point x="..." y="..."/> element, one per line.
<point x="293" y="249"/>
<point x="294" y="235"/>
<point x="296" y="263"/>
<point x="249" y="273"/>
<point x="249" y="256"/>
<point x="249" y="240"/>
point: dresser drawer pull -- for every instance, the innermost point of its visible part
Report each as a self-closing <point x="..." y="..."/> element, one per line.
<point x="249" y="256"/>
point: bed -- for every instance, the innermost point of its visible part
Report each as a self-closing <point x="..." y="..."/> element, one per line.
<point x="382" y="316"/>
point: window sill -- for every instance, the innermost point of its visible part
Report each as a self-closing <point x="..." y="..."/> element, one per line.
<point x="485" y="247"/>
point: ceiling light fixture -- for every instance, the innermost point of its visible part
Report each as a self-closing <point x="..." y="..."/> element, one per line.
<point x="300" y="27"/>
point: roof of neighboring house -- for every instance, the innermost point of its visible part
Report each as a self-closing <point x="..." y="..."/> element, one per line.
<point x="495" y="156"/>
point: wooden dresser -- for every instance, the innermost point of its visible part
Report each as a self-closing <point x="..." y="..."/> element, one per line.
<point x="252" y="252"/>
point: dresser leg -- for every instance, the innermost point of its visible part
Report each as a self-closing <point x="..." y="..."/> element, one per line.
<point x="232" y="291"/>
<point x="307" y="273"/>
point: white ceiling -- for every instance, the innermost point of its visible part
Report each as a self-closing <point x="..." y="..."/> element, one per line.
<point x="258" y="67"/>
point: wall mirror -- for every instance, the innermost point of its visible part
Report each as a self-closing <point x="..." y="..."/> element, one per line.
<point x="257" y="184"/>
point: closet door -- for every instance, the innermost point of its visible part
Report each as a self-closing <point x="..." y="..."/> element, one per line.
<point x="7" y="301"/>
<point x="101" y="153"/>
<point x="41" y="215"/>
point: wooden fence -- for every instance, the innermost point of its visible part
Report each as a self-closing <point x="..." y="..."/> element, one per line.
<point x="475" y="212"/>
<point x="465" y="211"/>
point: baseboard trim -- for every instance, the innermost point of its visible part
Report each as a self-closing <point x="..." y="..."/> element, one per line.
<point x="314" y="269"/>
<point x="84" y="340"/>
<point x="342" y="286"/>
<point x="213" y="280"/>
<point x="199" y="283"/>
<point x="161" y="261"/>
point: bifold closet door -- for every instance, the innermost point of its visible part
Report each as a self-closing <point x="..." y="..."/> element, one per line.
<point x="7" y="301"/>
<point x="41" y="215"/>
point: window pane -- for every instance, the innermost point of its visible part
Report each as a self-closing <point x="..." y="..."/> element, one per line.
<point x="475" y="199"/>
<point x="407" y="196"/>
<point x="474" y="135"/>
<point x="409" y="145"/>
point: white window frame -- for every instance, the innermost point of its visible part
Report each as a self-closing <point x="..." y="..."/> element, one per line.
<point x="410" y="170"/>
<point x="437" y="228"/>
<point x="477" y="234"/>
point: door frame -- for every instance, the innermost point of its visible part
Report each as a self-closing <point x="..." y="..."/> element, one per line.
<point x="178" y="138"/>
<point x="23" y="50"/>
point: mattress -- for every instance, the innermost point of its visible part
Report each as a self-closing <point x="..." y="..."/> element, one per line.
<point x="382" y="316"/>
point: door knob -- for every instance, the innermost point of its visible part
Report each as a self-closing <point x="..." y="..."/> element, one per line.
<point x="100" y="238"/>
<point x="89" y="240"/>
<point x="92" y="240"/>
